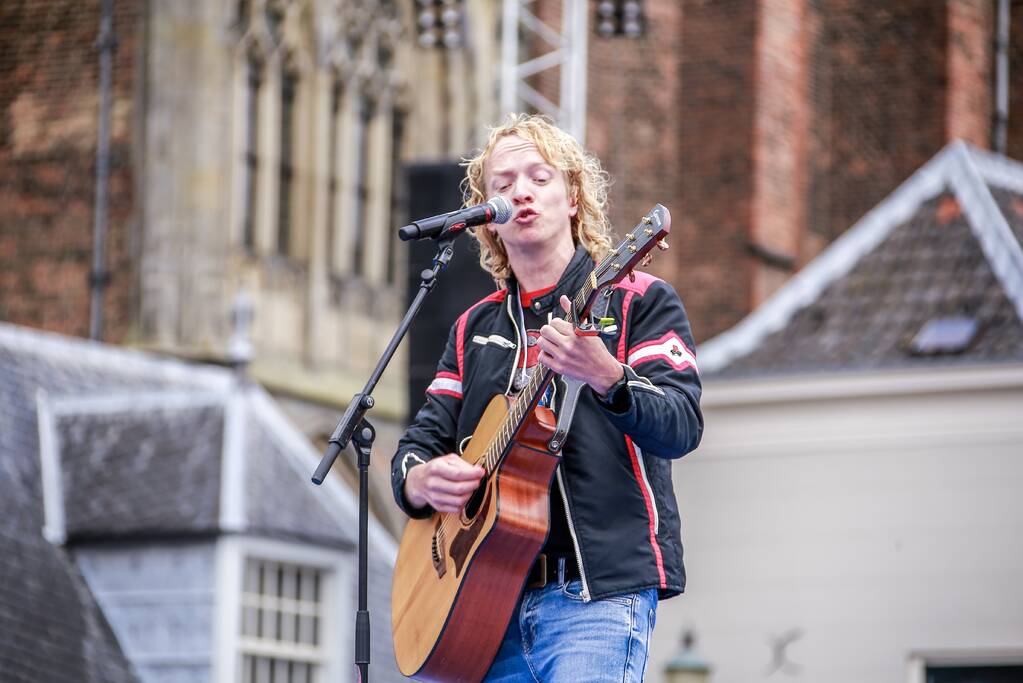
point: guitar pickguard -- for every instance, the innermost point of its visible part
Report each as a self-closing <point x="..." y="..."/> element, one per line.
<point x="466" y="536"/>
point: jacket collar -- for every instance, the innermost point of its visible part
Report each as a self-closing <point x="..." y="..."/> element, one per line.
<point x="569" y="283"/>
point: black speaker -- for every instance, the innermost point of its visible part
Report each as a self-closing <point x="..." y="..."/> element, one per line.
<point x="432" y="189"/>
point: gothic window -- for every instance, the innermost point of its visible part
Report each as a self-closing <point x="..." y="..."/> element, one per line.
<point x="289" y="87"/>
<point x="244" y="8"/>
<point x="362" y="184"/>
<point x="397" y="196"/>
<point x="253" y="85"/>
<point x="332" y="167"/>
<point x="274" y="13"/>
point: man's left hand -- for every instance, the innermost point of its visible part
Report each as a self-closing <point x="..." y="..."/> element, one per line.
<point x="580" y="357"/>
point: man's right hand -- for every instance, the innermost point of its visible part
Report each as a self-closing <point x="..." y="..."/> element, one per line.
<point x="444" y="483"/>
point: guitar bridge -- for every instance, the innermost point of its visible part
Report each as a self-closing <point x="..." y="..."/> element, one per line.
<point x="436" y="545"/>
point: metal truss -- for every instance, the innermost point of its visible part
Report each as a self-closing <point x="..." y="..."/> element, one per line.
<point x="567" y="44"/>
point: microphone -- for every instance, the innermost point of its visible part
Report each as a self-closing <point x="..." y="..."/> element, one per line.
<point x="496" y="210"/>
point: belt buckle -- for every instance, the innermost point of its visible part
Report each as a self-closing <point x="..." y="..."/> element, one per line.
<point x="541" y="560"/>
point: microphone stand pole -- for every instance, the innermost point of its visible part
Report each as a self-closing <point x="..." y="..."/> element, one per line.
<point x="356" y="428"/>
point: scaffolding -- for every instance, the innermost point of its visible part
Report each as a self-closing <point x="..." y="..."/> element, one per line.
<point x="567" y="52"/>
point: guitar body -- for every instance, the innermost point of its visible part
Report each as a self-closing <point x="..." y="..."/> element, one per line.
<point x="455" y="586"/>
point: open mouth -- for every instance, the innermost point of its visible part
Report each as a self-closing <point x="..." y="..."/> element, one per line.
<point x="525" y="215"/>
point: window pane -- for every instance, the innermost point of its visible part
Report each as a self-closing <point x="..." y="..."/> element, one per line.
<point x="975" y="674"/>
<point x="309" y="588"/>
<point x="289" y="627"/>
<point x="268" y="624"/>
<point x="252" y="570"/>
<point x="281" y="672"/>
<point x="307" y="630"/>
<point x="289" y="582"/>
<point x="250" y="621"/>
<point x="263" y="671"/>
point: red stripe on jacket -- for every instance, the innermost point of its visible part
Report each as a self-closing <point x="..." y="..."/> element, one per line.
<point x="649" y="511"/>
<point x="463" y="319"/>
<point x="642" y="283"/>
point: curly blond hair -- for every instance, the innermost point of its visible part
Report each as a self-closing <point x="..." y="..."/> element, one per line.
<point x="587" y="184"/>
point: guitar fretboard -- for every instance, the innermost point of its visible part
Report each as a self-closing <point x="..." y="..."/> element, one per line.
<point x="539" y="379"/>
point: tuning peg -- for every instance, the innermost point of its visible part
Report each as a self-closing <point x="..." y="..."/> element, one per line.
<point x="662" y="245"/>
<point x="632" y="276"/>
<point x="646" y="260"/>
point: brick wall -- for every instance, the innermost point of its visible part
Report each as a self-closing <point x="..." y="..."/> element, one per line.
<point x="878" y="95"/>
<point x="971" y="36"/>
<point x="671" y="116"/>
<point x="1015" y="128"/>
<point x="770" y="128"/>
<point x="49" y="112"/>
<point x="785" y="34"/>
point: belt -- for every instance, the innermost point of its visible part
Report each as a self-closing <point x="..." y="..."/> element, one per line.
<point x="545" y="570"/>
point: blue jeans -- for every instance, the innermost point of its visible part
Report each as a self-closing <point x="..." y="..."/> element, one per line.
<point x="554" y="636"/>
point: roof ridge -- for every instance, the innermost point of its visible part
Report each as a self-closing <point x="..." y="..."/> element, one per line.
<point x="303" y="457"/>
<point x="53" y="345"/>
<point x="986" y="219"/>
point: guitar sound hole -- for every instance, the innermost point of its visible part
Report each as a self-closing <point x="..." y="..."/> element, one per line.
<point x="472" y="507"/>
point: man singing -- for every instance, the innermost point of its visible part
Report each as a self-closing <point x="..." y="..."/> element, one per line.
<point x="614" y="546"/>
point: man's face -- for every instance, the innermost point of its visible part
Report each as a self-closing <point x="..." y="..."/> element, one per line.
<point x="543" y="210"/>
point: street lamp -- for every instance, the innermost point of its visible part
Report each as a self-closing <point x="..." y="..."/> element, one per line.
<point x="687" y="666"/>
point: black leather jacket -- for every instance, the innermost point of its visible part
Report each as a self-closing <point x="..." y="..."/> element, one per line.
<point x="615" y="472"/>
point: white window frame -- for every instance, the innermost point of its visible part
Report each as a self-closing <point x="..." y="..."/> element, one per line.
<point x="337" y="630"/>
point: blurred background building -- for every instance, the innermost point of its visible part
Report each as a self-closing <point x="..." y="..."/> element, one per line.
<point x="266" y="150"/>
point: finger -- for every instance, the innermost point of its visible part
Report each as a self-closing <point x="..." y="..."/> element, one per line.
<point x="447" y="504"/>
<point x="549" y="361"/>
<point x="565" y="303"/>
<point x="464" y="472"/>
<point x="562" y="326"/>
<point x="551" y="334"/>
<point x="454" y="462"/>
<point x="456" y="488"/>
<point x="470" y="472"/>
<point x="450" y="499"/>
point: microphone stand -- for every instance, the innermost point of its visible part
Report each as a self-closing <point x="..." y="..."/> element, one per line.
<point x="356" y="428"/>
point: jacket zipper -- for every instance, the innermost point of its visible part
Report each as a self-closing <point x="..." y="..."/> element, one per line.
<point x="561" y="484"/>
<point x="575" y="540"/>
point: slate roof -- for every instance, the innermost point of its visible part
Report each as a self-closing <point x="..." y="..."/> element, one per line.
<point x="947" y="243"/>
<point x="99" y="442"/>
<point x="123" y="476"/>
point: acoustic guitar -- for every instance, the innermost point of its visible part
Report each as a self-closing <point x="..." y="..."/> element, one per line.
<point x="458" y="576"/>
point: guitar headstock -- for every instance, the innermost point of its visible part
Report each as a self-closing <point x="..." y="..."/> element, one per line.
<point x="635" y="249"/>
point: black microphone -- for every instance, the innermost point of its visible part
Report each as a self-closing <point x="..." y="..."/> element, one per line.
<point x="496" y="210"/>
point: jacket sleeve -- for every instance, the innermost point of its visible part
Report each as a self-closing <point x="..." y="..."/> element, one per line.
<point x="434" y="429"/>
<point x="658" y="402"/>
